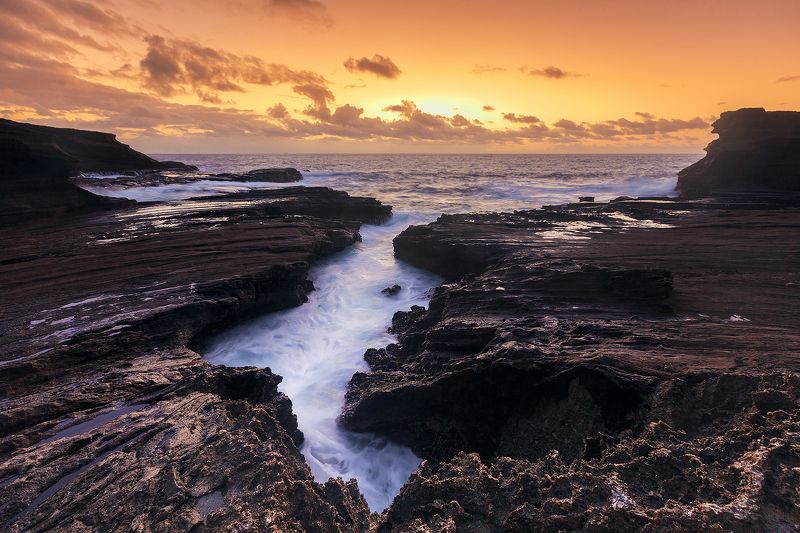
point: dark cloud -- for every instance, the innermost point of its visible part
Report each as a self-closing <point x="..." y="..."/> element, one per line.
<point x="379" y="65"/>
<point x="278" y="112"/>
<point x="487" y="69"/>
<point x="178" y="66"/>
<point x="488" y="108"/>
<point x="784" y="79"/>
<point x="405" y="107"/>
<point x="311" y="10"/>
<point x="52" y="26"/>
<point x="551" y="72"/>
<point x="521" y="119"/>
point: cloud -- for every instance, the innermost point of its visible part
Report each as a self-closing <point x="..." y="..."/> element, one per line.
<point x="51" y="91"/>
<point x="278" y="111"/>
<point x="311" y="10"/>
<point x="487" y="69"/>
<point x="521" y="119"/>
<point x="178" y="66"/>
<point x="785" y="79"/>
<point x="49" y="28"/>
<point x="379" y="65"/>
<point x="413" y="124"/>
<point x="648" y="126"/>
<point x="405" y="107"/>
<point x="488" y="108"/>
<point x="551" y="72"/>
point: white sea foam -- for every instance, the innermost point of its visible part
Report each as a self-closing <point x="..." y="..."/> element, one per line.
<point x="178" y="191"/>
<point x="318" y="346"/>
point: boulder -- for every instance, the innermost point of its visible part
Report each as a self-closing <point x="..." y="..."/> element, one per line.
<point x="274" y="175"/>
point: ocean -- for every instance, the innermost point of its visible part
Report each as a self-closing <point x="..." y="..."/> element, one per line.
<point x="318" y="346"/>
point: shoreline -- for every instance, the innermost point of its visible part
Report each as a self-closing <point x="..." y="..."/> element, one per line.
<point x="611" y="366"/>
<point x="616" y="234"/>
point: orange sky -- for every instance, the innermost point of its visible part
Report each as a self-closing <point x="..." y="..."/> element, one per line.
<point x="356" y="76"/>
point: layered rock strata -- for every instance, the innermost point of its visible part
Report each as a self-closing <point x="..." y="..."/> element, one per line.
<point x="577" y="372"/>
<point x="109" y="419"/>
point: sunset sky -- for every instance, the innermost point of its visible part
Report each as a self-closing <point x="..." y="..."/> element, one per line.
<point x="411" y="76"/>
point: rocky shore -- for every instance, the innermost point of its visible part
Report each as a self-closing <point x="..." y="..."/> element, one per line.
<point x="644" y="376"/>
<point x="155" y="178"/>
<point x="109" y="420"/>
<point x="622" y="366"/>
<point x="641" y="379"/>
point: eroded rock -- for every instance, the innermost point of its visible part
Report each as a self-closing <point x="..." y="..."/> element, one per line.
<point x="640" y="379"/>
<point x="108" y="420"/>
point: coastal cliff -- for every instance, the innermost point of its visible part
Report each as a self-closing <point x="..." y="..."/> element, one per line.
<point x="36" y="163"/>
<point x="757" y="151"/>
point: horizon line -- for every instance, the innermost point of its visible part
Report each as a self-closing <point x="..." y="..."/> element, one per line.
<point x="429" y="153"/>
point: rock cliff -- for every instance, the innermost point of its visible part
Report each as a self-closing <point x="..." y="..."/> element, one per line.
<point x="757" y="151"/>
<point x="36" y="163"/>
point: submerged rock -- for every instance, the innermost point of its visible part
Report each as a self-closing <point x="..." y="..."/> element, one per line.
<point x="393" y="290"/>
<point x="757" y="151"/>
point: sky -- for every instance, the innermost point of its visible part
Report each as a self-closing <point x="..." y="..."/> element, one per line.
<point x="508" y="76"/>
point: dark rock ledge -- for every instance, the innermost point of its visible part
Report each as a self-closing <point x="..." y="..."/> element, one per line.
<point x="642" y="379"/>
<point x="108" y="419"/>
<point x="645" y="378"/>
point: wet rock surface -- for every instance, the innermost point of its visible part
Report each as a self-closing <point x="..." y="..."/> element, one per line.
<point x="392" y="291"/>
<point x="621" y="366"/>
<point x="109" y="419"/>
<point x="157" y="178"/>
<point x="757" y="151"/>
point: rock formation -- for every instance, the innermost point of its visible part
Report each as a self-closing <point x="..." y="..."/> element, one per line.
<point x="37" y="161"/>
<point x="640" y="379"/>
<point x="757" y="151"/>
<point x="275" y="175"/>
<point x="109" y="420"/>
<point x="625" y="366"/>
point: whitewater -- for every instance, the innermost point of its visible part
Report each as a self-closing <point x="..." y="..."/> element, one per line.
<point x="318" y="346"/>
